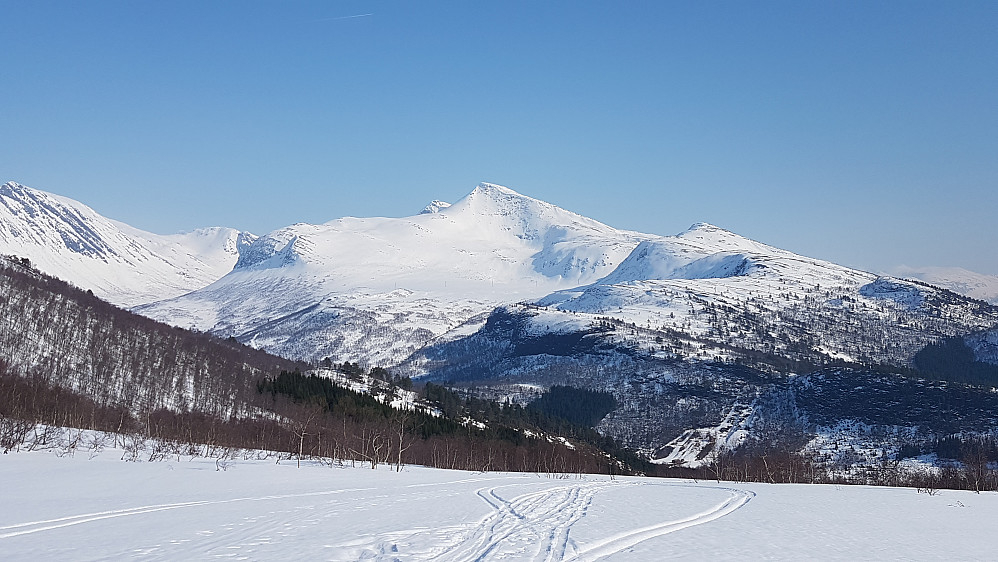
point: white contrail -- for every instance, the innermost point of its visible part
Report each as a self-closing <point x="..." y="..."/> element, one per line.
<point x="345" y="17"/>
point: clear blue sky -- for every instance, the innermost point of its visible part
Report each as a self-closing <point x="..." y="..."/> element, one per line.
<point x="865" y="133"/>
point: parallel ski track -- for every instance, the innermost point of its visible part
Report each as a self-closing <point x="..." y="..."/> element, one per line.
<point x="623" y="541"/>
<point x="545" y="519"/>
<point x="9" y="531"/>
<point x="535" y="525"/>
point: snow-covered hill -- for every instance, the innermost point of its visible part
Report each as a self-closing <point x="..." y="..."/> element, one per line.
<point x="377" y="289"/>
<point x="119" y="263"/>
<point x="956" y="279"/>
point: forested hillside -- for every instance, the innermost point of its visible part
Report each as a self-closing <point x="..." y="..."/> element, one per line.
<point x="56" y="333"/>
<point x="72" y="360"/>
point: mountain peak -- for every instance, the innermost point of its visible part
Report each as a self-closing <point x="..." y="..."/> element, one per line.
<point x="504" y="210"/>
<point x="492" y="188"/>
<point x="489" y="199"/>
<point x="435" y="206"/>
<point x="705" y="227"/>
<point x="14" y="190"/>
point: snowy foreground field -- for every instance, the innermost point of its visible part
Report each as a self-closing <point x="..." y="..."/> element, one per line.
<point x="79" y="509"/>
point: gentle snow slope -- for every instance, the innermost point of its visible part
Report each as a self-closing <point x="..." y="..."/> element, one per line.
<point x="121" y="264"/>
<point x="75" y="508"/>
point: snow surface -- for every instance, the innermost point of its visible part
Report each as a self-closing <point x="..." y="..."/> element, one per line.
<point x="124" y="265"/>
<point x="86" y="508"/>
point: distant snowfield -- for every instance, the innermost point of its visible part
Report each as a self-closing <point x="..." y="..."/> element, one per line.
<point x="103" y="508"/>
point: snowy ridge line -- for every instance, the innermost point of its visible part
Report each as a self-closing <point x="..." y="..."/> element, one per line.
<point x="71" y="520"/>
<point x="623" y="541"/>
<point x="121" y="264"/>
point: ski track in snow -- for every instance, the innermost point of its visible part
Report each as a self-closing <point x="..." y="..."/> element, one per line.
<point x="535" y="525"/>
<point x="623" y="541"/>
<point x="75" y="508"/>
<point x="9" y="531"/>
<point x="538" y="525"/>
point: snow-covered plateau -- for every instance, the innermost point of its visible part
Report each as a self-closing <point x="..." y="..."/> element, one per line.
<point x="96" y="507"/>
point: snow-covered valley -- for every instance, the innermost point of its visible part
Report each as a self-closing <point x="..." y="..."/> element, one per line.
<point x="89" y="507"/>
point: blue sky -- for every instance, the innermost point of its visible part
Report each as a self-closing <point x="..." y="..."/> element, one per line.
<point x="864" y="133"/>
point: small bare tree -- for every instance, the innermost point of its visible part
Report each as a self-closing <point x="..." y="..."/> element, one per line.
<point x="405" y="440"/>
<point x="302" y="424"/>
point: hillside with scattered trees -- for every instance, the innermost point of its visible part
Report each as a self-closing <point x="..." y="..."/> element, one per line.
<point x="69" y="359"/>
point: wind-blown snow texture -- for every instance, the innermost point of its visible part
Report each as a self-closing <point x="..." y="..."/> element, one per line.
<point x="121" y="264"/>
<point x="104" y="508"/>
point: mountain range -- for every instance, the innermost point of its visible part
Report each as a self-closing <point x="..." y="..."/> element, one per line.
<point x="701" y="336"/>
<point x="119" y="263"/>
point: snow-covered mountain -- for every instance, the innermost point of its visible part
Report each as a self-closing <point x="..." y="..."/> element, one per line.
<point x="703" y="337"/>
<point x="378" y="289"/>
<point x="727" y="292"/>
<point x="959" y="280"/>
<point x="119" y="263"/>
<point x="708" y="294"/>
<point x="697" y="336"/>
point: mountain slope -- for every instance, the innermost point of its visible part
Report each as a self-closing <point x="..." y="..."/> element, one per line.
<point x="705" y="339"/>
<point x="956" y="279"/>
<point x="65" y="337"/>
<point x="726" y="291"/>
<point x="119" y="263"/>
<point x="377" y="289"/>
<point x="697" y="335"/>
